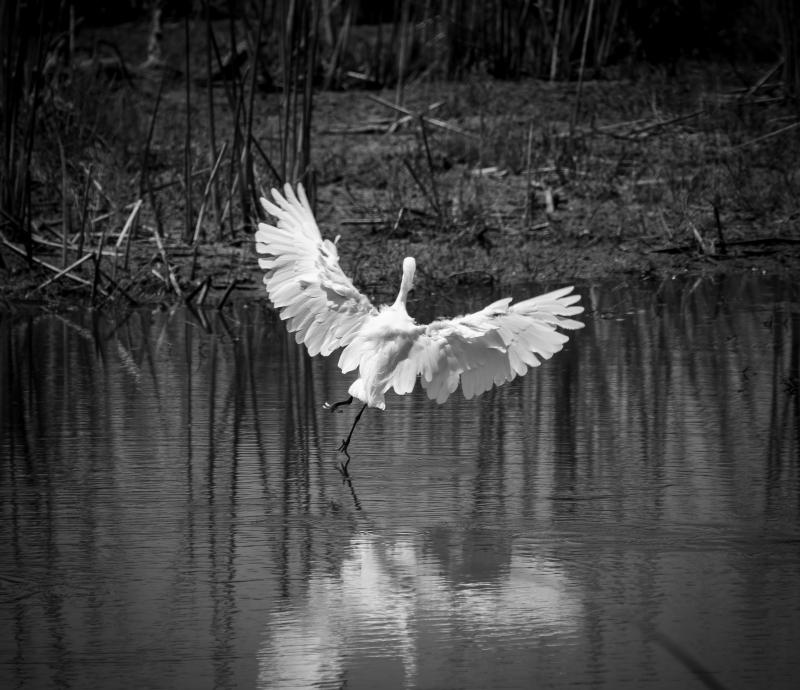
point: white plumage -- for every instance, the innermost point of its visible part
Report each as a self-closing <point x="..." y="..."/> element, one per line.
<point x="324" y="309"/>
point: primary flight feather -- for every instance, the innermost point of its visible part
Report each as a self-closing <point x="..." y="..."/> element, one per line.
<point x="390" y="349"/>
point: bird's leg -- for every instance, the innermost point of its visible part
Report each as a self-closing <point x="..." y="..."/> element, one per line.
<point x="346" y="442"/>
<point x="332" y="407"/>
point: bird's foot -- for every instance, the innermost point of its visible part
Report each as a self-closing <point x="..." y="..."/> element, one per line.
<point x="332" y="407"/>
<point x="343" y="467"/>
<point x="343" y="448"/>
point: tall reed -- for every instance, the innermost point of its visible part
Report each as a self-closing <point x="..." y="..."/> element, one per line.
<point x="298" y="55"/>
<point x="26" y="34"/>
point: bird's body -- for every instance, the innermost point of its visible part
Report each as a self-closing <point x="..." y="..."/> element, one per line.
<point x="388" y="347"/>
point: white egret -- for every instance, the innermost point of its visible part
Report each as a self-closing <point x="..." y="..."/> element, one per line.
<point x="390" y="349"/>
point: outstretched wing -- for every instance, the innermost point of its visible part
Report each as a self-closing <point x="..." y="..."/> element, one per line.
<point x="487" y="348"/>
<point x="303" y="277"/>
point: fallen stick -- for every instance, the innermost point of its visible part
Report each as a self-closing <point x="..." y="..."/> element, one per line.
<point x="641" y="132"/>
<point x="362" y="221"/>
<point x="65" y="271"/>
<point x="129" y="223"/>
<point x="767" y="76"/>
<point x="769" y="135"/>
<point x="44" y="264"/>
<point x="57" y="245"/>
<point x="432" y="120"/>
<point x="394" y="126"/>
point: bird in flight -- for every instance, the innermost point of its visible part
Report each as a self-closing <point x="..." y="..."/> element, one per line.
<point x="324" y="310"/>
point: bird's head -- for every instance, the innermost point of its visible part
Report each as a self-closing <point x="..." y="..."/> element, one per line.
<point x="409" y="267"/>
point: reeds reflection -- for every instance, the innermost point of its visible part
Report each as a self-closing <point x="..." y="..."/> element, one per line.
<point x="172" y="513"/>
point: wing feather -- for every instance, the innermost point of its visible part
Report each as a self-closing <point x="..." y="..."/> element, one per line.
<point x="303" y="278"/>
<point x="491" y="346"/>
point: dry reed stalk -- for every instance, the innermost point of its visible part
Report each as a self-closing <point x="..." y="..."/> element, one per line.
<point x="23" y="43"/>
<point x="403" y="30"/>
<point x="788" y="15"/>
<point x="64" y="204"/>
<point x="228" y="78"/>
<point x="144" y="175"/>
<point x="289" y="79"/>
<point x="576" y="111"/>
<point x="187" y="142"/>
<point x="227" y="293"/>
<point x="201" y="298"/>
<point x="308" y="95"/>
<point x="421" y="186"/>
<point x="229" y="202"/>
<point x="701" y="243"/>
<point x="84" y="210"/>
<point x="154" y="205"/>
<point x="161" y="250"/>
<point x="247" y="160"/>
<point x="556" y="41"/>
<point x="202" y="285"/>
<point x="721" y="246"/>
<point x="124" y="234"/>
<point x="212" y="127"/>
<point x="606" y="40"/>
<point x="266" y="158"/>
<point x="64" y="271"/>
<point x="208" y="191"/>
<point x="528" y="174"/>
<point x="338" y="47"/>
<point x="431" y="171"/>
<point x="97" y="271"/>
<point x="235" y="165"/>
<point x="129" y="222"/>
<point x="298" y="61"/>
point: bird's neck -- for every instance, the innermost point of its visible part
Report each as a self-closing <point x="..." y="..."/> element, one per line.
<point x="400" y="302"/>
<point x="405" y="284"/>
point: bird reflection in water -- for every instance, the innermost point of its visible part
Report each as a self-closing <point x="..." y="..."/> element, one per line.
<point x="389" y="594"/>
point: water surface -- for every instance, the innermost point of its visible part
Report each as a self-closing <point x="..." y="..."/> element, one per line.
<point x="627" y="515"/>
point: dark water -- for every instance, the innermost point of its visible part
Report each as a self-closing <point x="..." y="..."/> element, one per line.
<point x="627" y="516"/>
